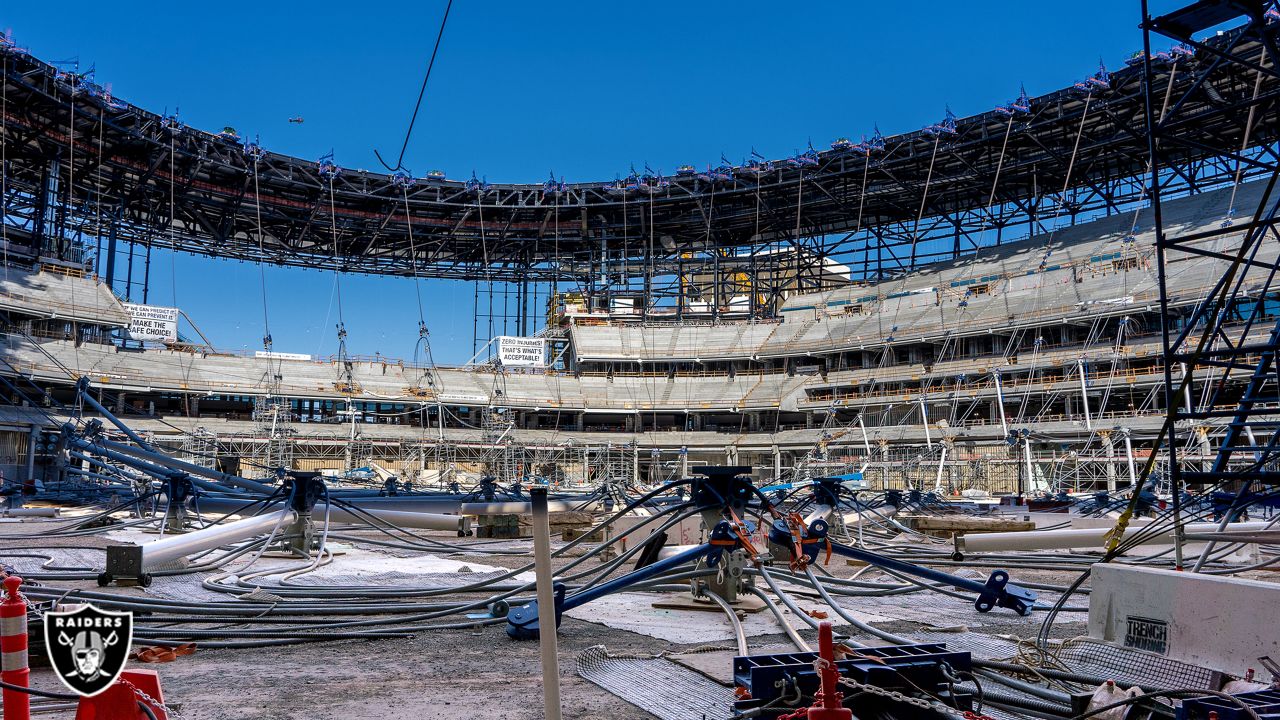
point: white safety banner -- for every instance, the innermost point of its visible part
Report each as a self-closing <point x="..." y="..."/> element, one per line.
<point x="522" y="351"/>
<point x="152" y="322"/>
<point x="280" y="355"/>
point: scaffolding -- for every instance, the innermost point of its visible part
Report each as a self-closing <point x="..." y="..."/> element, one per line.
<point x="200" y="447"/>
<point x="271" y="417"/>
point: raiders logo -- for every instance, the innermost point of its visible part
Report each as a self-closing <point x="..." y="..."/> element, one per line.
<point x="87" y="646"/>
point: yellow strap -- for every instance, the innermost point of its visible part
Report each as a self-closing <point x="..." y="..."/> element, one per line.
<point x="1116" y="534"/>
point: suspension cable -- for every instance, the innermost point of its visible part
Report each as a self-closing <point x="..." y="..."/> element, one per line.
<point x="421" y="92"/>
<point x="1248" y="129"/>
<point x="924" y="198"/>
<point x="267" y="340"/>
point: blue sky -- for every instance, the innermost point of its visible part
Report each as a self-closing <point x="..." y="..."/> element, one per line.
<point x="524" y="88"/>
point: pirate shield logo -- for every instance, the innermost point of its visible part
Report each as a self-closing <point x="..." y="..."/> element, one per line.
<point x="87" y="646"/>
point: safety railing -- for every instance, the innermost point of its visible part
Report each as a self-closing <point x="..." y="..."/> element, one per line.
<point x="1010" y="385"/>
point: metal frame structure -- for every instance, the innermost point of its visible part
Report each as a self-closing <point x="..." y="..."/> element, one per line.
<point x="85" y="168"/>
<point x="1215" y="334"/>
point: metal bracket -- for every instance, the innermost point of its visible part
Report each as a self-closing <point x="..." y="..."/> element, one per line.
<point x="999" y="591"/>
<point x="522" y="622"/>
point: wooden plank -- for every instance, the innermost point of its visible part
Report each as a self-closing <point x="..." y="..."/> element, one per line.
<point x="944" y="525"/>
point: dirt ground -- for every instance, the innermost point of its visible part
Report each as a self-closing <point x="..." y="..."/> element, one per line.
<point x="444" y="674"/>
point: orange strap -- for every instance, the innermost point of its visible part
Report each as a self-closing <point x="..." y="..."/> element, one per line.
<point x="739" y="529"/>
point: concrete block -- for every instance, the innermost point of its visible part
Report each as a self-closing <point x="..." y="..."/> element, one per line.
<point x="1222" y="623"/>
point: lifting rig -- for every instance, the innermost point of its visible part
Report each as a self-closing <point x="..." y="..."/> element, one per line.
<point x="723" y="496"/>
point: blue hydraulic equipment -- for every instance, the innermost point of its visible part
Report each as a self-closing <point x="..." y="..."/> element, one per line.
<point x="177" y="491"/>
<point x="522" y="622"/>
<point x="722" y="494"/>
<point x="1264" y="703"/>
<point x="997" y="591"/>
<point x="766" y="682"/>
<point x="143" y="457"/>
<point x="805" y="539"/>
<point x="947" y="126"/>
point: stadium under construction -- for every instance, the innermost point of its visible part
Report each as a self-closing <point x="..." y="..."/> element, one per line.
<point x="976" y="421"/>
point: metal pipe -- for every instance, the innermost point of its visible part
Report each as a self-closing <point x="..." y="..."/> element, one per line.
<point x="1111" y="464"/>
<point x="1128" y="451"/>
<point x="419" y="520"/>
<point x="1026" y="455"/>
<point x="455" y="505"/>
<point x="866" y="444"/>
<point x="156" y="471"/>
<point x="1004" y="424"/>
<point x="547" y="635"/>
<point x="669" y="551"/>
<point x="1186" y="387"/>
<point x="636" y="576"/>
<point x="922" y="571"/>
<point x="1078" y="538"/>
<point x="179" y="546"/>
<point x="937" y="481"/>
<point x="402" y="518"/>
<point x="820" y="511"/>
<point x="48" y="512"/>
<point x="924" y="419"/>
<point x="1084" y="395"/>
<point x="83" y="387"/>
<point x="1228" y="516"/>
<point x="1271" y="536"/>
<point x="519" y="508"/>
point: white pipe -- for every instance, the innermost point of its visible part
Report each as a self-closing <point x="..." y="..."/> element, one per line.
<point x="401" y="518"/>
<point x="1111" y="465"/>
<point x="177" y="546"/>
<point x="1186" y="389"/>
<point x="821" y="511"/>
<point x="406" y="514"/>
<point x="46" y="512"/>
<point x="1128" y="451"/>
<point x="1248" y="431"/>
<point x="1268" y="537"/>
<point x="1004" y="425"/>
<point x="866" y="444"/>
<point x="1026" y="455"/>
<point x="520" y="508"/>
<point x="547" y="630"/>
<point x="1084" y="395"/>
<point x="937" y="482"/>
<point x="924" y="418"/>
<point x="1086" y="538"/>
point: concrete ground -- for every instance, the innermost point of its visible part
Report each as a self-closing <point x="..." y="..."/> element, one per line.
<point x="463" y="673"/>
